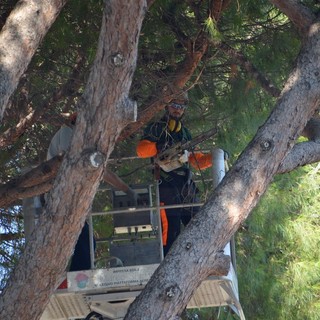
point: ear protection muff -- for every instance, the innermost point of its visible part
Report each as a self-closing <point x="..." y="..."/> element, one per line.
<point x="174" y="125"/>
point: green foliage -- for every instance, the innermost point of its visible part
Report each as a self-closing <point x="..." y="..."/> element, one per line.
<point x="211" y="28"/>
<point x="10" y="250"/>
<point x="278" y="254"/>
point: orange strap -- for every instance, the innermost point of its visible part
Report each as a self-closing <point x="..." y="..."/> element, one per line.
<point x="164" y="223"/>
<point x="146" y="149"/>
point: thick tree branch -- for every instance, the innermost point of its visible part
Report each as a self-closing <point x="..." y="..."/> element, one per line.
<point x="37" y="181"/>
<point x="20" y="37"/>
<point x="10" y="236"/>
<point x="299" y="14"/>
<point x="25" y="192"/>
<point x="42" y="173"/>
<point x="220" y="266"/>
<point x="302" y="154"/>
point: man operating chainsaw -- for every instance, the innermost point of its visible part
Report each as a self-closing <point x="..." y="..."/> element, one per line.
<point x="172" y="170"/>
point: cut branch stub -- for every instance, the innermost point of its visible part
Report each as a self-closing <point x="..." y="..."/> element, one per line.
<point x="117" y="59"/>
<point x="172" y="291"/>
<point x="92" y="159"/>
<point x="266" y="145"/>
<point x="220" y="266"/>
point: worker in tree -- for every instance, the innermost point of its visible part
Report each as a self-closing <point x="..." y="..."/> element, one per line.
<point x="58" y="146"/>
<point x="174" y="176"/>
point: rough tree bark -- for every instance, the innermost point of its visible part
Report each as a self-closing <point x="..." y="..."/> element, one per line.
<point x="20" y="37"/>
<point x="104" y="110"/>
<point x="194" y="253"/>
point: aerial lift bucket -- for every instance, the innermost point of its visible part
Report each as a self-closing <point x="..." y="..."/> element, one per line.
<point x="135" y="251"/>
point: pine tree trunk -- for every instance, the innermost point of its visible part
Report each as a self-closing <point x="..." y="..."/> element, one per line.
<point x="20" y="38"/>
<point x="104" y="110"/>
